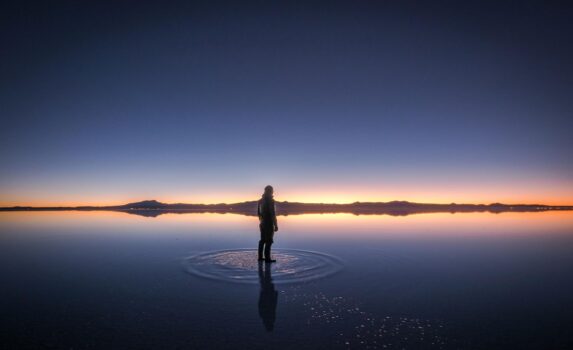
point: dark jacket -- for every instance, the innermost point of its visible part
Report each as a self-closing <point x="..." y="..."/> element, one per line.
<point x="266" y="212"/>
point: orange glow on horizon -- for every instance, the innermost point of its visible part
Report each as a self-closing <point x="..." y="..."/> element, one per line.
<point x="487" y="189"/>
<point x="522" y="194"/>
<point x="326" y="199"/>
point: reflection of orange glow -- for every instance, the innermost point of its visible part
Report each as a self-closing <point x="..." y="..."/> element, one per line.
<point x="344" y="226"/>
<point x="435" y="224"/>
<point x="110" y="222"/>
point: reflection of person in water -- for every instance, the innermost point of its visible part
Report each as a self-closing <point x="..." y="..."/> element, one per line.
<point x="267" y="224"/>
<point x="267" y="298"/>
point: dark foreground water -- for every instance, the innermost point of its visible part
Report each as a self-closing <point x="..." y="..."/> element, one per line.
<point x="103" y="280"/>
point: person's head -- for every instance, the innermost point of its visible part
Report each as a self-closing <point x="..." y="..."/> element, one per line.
<point x="269" y="190"/>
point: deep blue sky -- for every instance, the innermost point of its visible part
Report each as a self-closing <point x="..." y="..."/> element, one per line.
<point x="106" y="101"/>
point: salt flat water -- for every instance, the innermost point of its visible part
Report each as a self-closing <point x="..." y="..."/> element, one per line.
<point x="111" y="280"/>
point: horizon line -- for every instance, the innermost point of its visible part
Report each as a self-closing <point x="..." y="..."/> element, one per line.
<point x="284" y="201"/>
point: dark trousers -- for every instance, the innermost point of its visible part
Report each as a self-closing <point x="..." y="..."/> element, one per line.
<point x="266" y="241"/>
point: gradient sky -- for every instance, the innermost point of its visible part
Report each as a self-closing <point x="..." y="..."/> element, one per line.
<point x="106" y="102"/>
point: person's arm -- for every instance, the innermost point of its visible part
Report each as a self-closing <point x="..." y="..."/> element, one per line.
<point x="259" y="210"/>
<point x="274" y="216"/>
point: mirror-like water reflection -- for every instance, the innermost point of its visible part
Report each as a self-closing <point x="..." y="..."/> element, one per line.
<point x="449" y="281"/>
<point x="268" y="296"/>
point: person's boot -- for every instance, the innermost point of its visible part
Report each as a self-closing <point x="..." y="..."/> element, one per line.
<point x="268" y="259"/>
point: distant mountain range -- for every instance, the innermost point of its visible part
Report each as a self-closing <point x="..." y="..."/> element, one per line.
<point x="154" y="208"/>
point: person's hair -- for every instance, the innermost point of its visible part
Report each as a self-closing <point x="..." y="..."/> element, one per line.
<point x="268" y="189"/>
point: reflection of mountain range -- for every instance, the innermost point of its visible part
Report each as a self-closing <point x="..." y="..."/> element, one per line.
<point x="154" y="208"/>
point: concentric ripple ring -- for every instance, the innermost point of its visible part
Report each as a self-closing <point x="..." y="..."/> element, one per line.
<point x="241" y="265"/>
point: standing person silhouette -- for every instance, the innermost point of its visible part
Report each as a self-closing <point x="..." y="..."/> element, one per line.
<point x="267" y="224"/>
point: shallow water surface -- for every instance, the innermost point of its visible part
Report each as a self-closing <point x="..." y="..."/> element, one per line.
<point x="110" y="280"/>
<point x="242" y="266"/>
